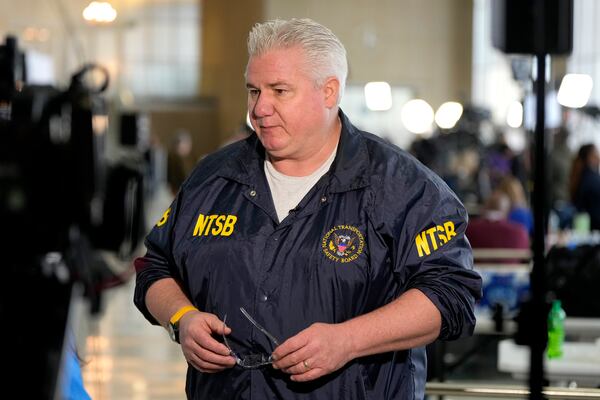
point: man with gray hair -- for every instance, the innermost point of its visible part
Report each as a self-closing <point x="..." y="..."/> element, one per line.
<point x="311" y="260"/>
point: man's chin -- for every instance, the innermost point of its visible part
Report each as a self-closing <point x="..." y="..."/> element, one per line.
<point x="275" y="149"/>
<point x="276" y="153"/>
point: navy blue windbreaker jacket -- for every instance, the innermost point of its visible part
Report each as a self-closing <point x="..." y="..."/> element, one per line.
<point x="377" y="224"/>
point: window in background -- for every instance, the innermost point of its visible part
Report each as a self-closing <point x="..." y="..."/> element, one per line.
<point x="585" y="59"/>
<point x="385" y="123"/>
<point x="160" y="51"/>
<point x="492" y="85"/>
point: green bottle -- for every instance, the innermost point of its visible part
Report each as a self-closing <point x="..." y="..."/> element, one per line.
<point x="556" y="330"/>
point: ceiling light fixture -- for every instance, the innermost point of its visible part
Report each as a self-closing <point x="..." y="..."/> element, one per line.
<point x="575" y="90"/>
<point x="417" y="116"/>
<point x="378" y="96"/>
<point x="514" y="116"/>
<point x="448" y="114"/>
<point x="100" y="12"/>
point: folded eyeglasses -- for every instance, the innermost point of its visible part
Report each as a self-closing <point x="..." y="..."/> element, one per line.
<point x="256" y="360"/>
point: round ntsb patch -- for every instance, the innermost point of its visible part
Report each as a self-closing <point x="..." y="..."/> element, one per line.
<point x="343" y="243"/>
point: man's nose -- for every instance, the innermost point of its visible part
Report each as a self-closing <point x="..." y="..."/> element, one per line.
<point x="263" y="107"/>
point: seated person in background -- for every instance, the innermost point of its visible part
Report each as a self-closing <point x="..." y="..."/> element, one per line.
<point x="519" y="211"/>
<point x="493" y="229"/>
<point x="584" y="185"/>
<point x="179" y="164"/>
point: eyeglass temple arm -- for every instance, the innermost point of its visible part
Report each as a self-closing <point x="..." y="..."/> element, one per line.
<point x="256" y="324"/>
<point x="231" y="352"/>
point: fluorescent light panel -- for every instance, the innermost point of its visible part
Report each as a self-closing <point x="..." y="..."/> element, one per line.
<point x="514" y="116"/>
<point x="417" y="116"/>
<point x="99" y="12"/>
<point x="575" y="90"/>
<point x="378" y="96"/>
<point x="448" y="114"/>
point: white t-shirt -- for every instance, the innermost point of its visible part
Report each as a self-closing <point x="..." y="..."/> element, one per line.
<point x="288" y="191"/>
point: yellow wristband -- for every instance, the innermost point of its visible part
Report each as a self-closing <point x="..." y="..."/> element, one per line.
<point x="181" y="312"/>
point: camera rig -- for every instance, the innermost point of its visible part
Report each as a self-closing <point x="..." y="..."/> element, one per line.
<point x="61" y="206"/>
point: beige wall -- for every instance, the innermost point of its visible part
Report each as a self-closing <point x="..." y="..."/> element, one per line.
<point x="424" y="44"/>
<point x="225" y="26"/>
<point x="199" y="119"/>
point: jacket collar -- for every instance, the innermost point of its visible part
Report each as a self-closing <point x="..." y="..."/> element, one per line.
<point x="349" y="170"/>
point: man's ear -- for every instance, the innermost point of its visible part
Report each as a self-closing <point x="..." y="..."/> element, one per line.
<point x="331" y="90"/>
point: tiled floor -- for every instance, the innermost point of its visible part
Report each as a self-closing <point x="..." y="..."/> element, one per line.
<point x="127" y="358"/>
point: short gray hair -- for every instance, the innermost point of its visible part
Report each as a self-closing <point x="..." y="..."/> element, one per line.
<point x="325" y="53"/>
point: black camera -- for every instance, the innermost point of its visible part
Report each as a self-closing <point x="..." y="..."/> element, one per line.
<point x="62" y="206"/>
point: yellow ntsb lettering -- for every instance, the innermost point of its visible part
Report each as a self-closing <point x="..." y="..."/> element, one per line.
<point x="164" y="218"/>
<point x="228" y="225"/>
<point x="434" y="237"/>
<point x="218" y="228"/>
<point x="222" y="225"/>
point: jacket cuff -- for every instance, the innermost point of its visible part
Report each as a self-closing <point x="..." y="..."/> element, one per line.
<point x="457" y="318"/>
<point x="145" y="279"/>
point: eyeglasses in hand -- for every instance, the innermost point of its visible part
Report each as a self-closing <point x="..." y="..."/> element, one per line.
<point x="251" y="361"/>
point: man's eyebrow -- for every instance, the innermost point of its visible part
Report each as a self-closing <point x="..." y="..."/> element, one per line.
<point x="271" y="85"/>
<point x="278" y="83"/>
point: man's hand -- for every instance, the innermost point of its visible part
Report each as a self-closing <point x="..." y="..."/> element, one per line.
<point x="318" y="350"/>
<point x="198" y="345"/>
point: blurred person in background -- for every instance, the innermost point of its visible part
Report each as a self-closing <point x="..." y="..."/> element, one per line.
<point x="310" y="260"/>
<point x="241" y="133"/>
<point x="519" y="211"/>
<point x="493" y="229"/>
<point x="179" y="160"/>
<point x="584" y="183"/>
<point x="499" y="162"/>
<point x="561" y="158"/>
<point x="155" y="158"/>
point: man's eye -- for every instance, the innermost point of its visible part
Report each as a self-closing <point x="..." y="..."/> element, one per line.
<point x="281" y="91"/>
<point x="253" y="92"/>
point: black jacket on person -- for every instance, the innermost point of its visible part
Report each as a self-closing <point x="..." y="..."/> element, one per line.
<point x="377" y="224"/>
<point x="587" y="197"/>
